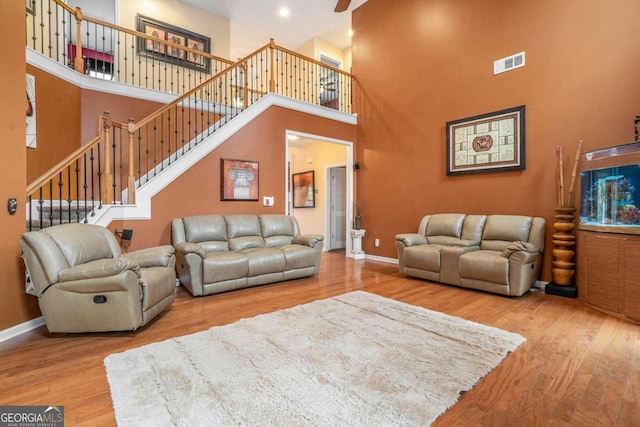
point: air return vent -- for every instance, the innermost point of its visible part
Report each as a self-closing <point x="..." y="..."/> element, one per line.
<point x="508" y="63"/>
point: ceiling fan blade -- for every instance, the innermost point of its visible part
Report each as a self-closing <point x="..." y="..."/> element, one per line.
<point x="342" y="5"/>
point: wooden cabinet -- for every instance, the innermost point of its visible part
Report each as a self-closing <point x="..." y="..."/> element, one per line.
<point x="609" y="272"/>
<point x="630" y="277"/>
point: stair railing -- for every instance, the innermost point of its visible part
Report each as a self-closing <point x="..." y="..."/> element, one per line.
<point x="125" y="156"/>
<point x="70" y="191"/>
<point x="111" y="52"/>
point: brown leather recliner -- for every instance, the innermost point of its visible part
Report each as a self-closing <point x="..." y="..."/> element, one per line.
<point x="84" y="283"/>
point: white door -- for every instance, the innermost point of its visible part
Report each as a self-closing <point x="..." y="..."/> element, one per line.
<point x="338" y="210"/>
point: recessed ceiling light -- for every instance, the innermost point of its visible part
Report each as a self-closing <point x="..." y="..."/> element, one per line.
<point x="293" y="137"/>
<point x="284" y="12"/>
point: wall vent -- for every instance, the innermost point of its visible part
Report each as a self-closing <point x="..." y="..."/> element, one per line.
<point x="508" y="63"/>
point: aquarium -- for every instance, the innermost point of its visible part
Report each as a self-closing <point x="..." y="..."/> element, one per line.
<point x="609" y="196"/>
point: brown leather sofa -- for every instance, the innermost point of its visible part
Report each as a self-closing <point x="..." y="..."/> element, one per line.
<point x="84" y="283"/>
<point x="495" y="253"/>
<point x="218" y="253"/>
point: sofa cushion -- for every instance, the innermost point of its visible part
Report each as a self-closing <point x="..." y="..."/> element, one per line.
<point x="443" y="240"/>
<point x="472" y="228"/>
<point x="274" y="225"/>
<point x="424" y="257"/>
<point x="445" y="225"/>
<point x="277" y="230"/>
<point x="205" y="228"/>
<point x="500" y="230"/>
<point x="244" y="232"/>
<point x="489" y="266"/>
<point x="264" y="261"/>
<point x="246" y="242"/>
<point x="298" y="256"/>
<point x="214" y="246"/>
<point x="242" y="225"/>
<point x="221" y="266"/>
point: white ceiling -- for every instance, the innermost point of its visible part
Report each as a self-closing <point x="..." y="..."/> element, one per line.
<point x="254" y="22"/>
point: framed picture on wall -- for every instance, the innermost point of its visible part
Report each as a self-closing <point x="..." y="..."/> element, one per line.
<point x="31" y="6"/>
<point x="239" y="180"/>
<point x="304" y="189"/>
<point x="179" y="36"/>
<point x="487" y="143"/>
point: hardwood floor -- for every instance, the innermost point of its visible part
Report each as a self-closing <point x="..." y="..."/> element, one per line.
<point x="578" y="367"/>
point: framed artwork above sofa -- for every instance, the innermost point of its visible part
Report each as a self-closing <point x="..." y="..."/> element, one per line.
<point x="488" y="142"/>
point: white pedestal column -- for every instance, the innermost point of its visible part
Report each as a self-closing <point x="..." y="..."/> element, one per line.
<point x="356" y="247"/>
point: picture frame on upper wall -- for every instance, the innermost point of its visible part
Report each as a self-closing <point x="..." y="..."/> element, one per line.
<point x="31" y="6"/>
<point x="488" y="142"/>
<point x="239" y="180"/>
<point x="171" y="53"/>
<point x="304" y="189"/>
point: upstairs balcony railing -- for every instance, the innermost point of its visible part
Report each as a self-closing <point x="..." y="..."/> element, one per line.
<point x="125" y="156"/>
<point x="104" y="50"/>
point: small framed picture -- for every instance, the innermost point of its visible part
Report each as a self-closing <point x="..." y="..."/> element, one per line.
<point x="304" y="190"/>
<point x="239" y="180"/>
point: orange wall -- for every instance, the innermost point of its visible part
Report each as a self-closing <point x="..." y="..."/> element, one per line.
<point x="120" y="108"/>
<point x="58" y="113"/>
<point x="427" y="62"/>
<point x="60" y="106"/>
<point x="197" y="191"/>
<point x="15" y="306"/>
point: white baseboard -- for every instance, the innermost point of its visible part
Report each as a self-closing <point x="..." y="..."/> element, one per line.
<point x="14" y="331"/>
<point x="382" y="259"/>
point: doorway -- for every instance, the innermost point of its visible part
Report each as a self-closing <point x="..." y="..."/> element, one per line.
<point x="337" y="207"/>
<point x="331" y="160"/>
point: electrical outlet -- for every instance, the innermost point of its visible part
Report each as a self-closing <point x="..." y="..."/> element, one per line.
<point x="377" y="242"/>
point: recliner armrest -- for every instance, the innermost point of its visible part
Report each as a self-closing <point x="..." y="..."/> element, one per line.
<point x="411" y="239"/>
<point x="98" y="268"/>
<point x="522" y="257"/>
<point x="310" y="240"/>
<point x="519" y="246"/>
<point x="191" y="248"/>
<point x="159" y="256"/>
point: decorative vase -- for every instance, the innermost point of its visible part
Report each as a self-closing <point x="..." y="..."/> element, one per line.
<point x="357" y="221"/>
<point x="564" y="267"/>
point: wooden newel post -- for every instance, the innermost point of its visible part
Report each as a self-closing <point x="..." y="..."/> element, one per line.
<point x="78" y="62"/>
<point x="107" y="176"/>
<point x="131" y="181"/>
<point x="272" y="78"/>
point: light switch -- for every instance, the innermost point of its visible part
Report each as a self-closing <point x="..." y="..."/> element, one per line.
<point x="267" y="200"/>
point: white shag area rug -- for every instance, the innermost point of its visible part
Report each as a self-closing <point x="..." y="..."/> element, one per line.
<point x="357" y="359"/>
